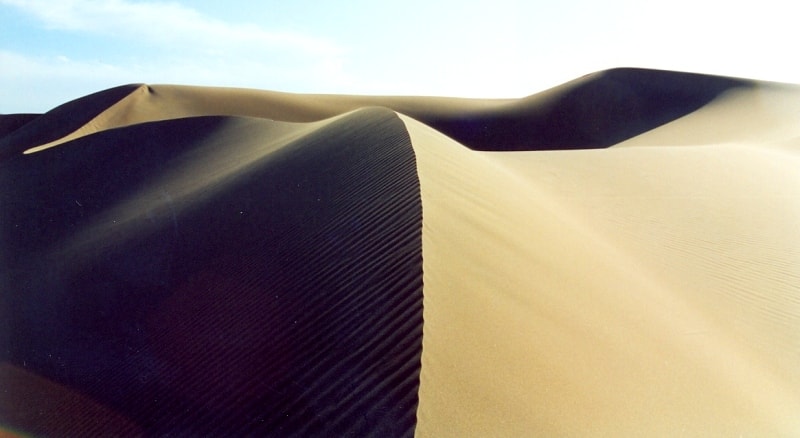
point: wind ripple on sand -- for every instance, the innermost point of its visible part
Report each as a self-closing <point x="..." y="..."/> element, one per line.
<point x="273" y="288"/>
<point x="206" y="261"/>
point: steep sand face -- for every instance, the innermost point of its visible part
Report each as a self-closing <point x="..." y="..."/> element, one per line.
<point x="766" y="114"/>
<point x="175" y="262"/>
<point x="218" y="276"/>
<point x="11" y="122"/>
<point x="149" y="103"/>
<point x="59" y="121"/>
<point x="629" y="292"/>
<point x="595" y="111"/>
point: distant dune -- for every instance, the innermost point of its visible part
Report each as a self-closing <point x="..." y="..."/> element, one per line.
<point x="616" y="256"/>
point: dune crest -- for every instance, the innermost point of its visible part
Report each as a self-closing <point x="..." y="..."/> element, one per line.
<point x="231" y="275"/>
<point x="595" y="111"/>
<point x="764" y="114"/>
<point x="616" y="256"/>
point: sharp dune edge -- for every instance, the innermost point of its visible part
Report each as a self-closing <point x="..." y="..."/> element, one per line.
<point x="617" y="256"/>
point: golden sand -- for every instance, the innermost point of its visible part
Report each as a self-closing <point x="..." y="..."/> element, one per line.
<point x="650" y="288"/>
<point x="624" y="292"/>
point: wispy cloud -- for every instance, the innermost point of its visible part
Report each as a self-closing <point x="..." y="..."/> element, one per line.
<point x="34" y="83"/>
<point x="17" y="66"/>
<point x="120" y="41"/>
<point x="167" y="24"/>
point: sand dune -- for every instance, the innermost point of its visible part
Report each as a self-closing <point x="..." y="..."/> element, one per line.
<point x="633" y="292"/>
<point x="764" y="114"/>
<point x="12" y="122"/>
<point x="254" y="275"/>
<point x="596" y="111"/>
<point x="617" y="256"/>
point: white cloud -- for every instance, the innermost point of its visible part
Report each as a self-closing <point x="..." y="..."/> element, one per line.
<point x="476" y="51"/>
<point x="38" y="83"/>
<point x="168" y="25"/>
<point x="17" y="66"/>
<point x="157" y="42"/>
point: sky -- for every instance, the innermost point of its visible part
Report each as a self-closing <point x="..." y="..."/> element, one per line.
<point x="55" y="51"/>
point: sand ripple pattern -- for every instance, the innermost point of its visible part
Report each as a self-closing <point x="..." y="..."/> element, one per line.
<point x="273" y="288"/>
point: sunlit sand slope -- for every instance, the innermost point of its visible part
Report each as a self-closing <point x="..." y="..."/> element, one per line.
<point x="625" y="292"/>
<point x="616" y="256"/>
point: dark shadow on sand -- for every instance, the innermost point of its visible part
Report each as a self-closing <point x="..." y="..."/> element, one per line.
<point x="11" y="122"/>
<point x="596" y="111"/>
<point x="287" y="302"/>
<point x="61" y="120"/>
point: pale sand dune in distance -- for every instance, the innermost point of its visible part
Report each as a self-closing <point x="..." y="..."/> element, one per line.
<point x="149" y="103"/>
<point x="616" y="256"/>
<point x="595" y="111"/>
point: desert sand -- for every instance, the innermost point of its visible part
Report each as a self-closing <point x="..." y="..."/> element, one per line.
<point x="616" y="256"/>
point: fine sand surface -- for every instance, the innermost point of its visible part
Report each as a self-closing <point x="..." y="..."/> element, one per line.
<point x="217" y="275"/>
<point x="617" y="256"/>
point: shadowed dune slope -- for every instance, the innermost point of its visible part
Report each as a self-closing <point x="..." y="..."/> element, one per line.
<point x="33" y="403"/>
<point x="221" y="275"/>
<point x="595" y="111"/>
<point x="62" y="120"/>
<point x="11" y="122"/>
<point x="193" y="261"/>
<point x="765" y="114"/>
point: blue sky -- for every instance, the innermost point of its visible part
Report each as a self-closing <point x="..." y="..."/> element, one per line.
<point x="54" y="51"/>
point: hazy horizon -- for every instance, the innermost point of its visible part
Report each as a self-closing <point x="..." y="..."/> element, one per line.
<point x="53" y="51"/>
